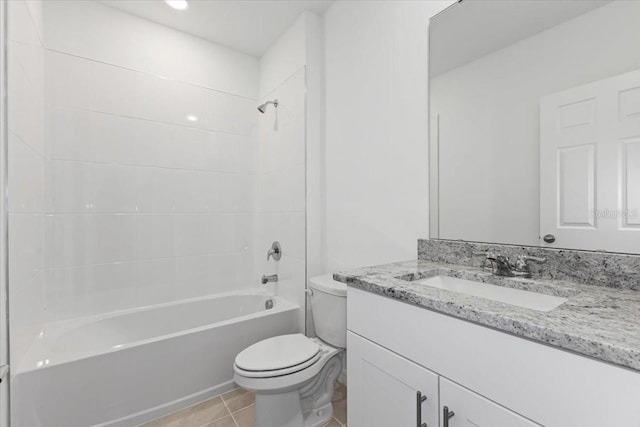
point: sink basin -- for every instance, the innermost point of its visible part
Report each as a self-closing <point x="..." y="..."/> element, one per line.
<point x="517" y="297"/>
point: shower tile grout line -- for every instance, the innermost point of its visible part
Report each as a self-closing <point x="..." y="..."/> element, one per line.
<point x="148" y="73"/>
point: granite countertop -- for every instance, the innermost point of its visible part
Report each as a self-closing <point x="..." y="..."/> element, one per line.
<point x="595" y="321"/>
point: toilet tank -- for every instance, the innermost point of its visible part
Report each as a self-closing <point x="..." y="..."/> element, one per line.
<point x="329" y="308"/>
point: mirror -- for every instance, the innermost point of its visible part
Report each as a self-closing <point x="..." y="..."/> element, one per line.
<point x="535" y="123"/>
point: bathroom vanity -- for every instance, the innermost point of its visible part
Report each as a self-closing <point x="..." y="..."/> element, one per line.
<point x="534" y="148"/>
<point x="420" y="354"/>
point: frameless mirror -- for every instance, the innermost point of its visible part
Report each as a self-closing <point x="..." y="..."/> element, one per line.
<point x="535" y="123"/>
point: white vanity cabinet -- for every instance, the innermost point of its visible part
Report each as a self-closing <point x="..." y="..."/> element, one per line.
<point x="388" y="390"/>
<point x="486" y="377"/>
<point x="466" y="409"/>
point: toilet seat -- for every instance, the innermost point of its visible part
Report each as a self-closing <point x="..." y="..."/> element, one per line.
<point x="276" y="356"/>
<point x="278" y="381"/>
<point x="278" y="372"/>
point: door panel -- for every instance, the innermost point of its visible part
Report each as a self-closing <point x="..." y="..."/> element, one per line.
<point x="630" y="186"/>
<point x="590" y="165"/>
<point x="383" y="387"/>
<point x="473" y="410"/>
<point x="576" y="192"/>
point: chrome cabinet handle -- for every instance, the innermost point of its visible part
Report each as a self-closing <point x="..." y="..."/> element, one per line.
<point x="446" y="416"/>
<point x="549" y="238"/>
<point x="419" y="401"/>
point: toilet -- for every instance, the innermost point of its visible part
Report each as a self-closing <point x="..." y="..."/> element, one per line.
<point x="293" y="376"/>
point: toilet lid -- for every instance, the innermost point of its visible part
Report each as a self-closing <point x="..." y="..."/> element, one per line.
<point x="276" y="353"/>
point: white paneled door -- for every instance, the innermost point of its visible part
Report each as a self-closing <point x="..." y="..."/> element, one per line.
<point x="590" y="165"/>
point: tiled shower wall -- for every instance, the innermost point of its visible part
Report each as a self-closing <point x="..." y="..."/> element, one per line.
<point x="282" y="210"/>
<point x="133" y="161"/>
<point x="144" y="206"/>
<point x="26" y="168"/>
<point x="281" y="190"/>
<point x="149" y="179"/>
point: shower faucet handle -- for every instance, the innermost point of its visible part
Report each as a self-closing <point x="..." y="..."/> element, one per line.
<point x="275" y="251"/>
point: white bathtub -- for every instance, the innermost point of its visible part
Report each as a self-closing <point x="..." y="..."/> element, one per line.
<point x="134" y="366"/>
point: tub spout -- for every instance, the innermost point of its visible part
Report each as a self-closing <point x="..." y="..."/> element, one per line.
<point x="271" y="278"/>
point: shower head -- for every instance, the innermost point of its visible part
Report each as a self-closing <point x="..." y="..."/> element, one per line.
<point x="262" y="108"/>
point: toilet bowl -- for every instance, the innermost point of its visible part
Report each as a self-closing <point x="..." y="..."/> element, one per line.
<point x="293" y="376"/>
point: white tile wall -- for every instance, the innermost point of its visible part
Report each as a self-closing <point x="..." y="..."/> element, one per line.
<point x="281" y="189"/>
<point x="113" y="89"/>
<point x="26" y="171"/>
<point x="68" y="133"/>
<point x="149" y="185"/>
<point x="130" y="186"/>
<point x="144" y="178"/>
<point x="91" y="30"/>
<point x="67" y="81"/>
<point x="26" y="176"/>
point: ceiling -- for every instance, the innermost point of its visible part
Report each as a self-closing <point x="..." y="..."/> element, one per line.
<point x="250" y="26"/>
<point x="474" y="28"/>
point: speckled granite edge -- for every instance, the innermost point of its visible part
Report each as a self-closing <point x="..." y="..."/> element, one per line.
<point x="595" y="321"/>
<point x="621" y="271"/>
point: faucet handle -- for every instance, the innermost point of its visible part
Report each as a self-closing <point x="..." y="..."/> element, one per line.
<point x="486" y="254"/>
<point x="526" y="258"/>
<point x="275" y="251"/>
<point x="522" y="264"/>
<point x="489" y="259"/>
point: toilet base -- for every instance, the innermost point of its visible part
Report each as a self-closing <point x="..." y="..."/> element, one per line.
<point x="284" y="410"/>
<point x="278" y="410"/>
<point x="309" y="406"/>
<point x="319" y="416"/>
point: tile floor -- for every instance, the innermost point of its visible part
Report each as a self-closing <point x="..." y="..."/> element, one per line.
<point x="235" y="409"/>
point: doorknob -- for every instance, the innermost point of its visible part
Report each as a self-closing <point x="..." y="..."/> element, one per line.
<point x="549" y="238"/>
<point x="446" y="416"/>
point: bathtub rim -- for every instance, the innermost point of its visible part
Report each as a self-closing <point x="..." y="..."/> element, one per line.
<point x="53" y="330"/>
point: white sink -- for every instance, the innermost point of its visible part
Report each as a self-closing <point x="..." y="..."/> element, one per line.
<point x="520" y="298"/>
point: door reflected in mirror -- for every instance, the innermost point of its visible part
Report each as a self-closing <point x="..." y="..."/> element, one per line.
<point x="535" y="124"/>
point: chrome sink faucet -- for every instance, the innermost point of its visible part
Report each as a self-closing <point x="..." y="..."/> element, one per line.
<point x="502" y="266"/>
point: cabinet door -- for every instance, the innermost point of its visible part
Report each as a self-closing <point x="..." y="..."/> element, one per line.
<point x="472" y="410"/>
<point x="383" y="388"/>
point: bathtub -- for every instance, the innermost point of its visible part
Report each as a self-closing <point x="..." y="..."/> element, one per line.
<point x="130" y="367"/>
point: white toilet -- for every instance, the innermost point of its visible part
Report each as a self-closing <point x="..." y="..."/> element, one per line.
<point x="293" y="376"/>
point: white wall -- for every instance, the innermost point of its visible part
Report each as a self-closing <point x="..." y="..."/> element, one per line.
<point x="284" y="142"/>
<point x="94" y="31"/>
<point x="143" y="205"/>
<point x="376" y="130"/>
<point x="489" y="171"/>
<point x="26" y="168"/>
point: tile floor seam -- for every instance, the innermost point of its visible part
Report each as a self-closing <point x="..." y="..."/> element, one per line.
<point x="244" y="409"/>
<point x="217" y="419"/>
<point x="228" y="410"/>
